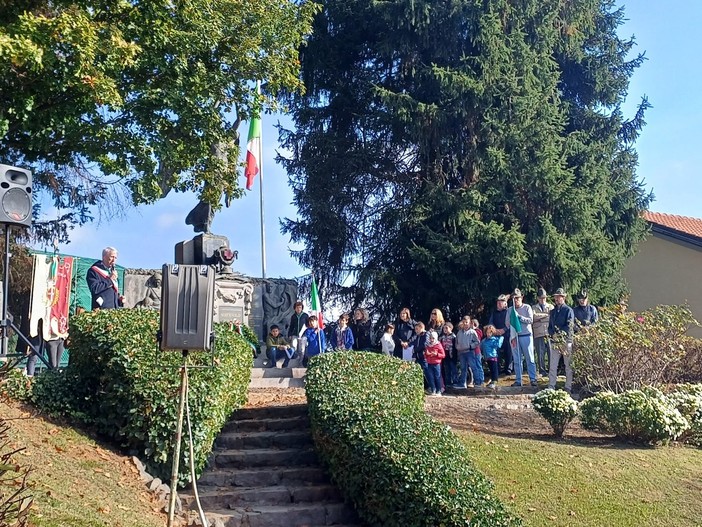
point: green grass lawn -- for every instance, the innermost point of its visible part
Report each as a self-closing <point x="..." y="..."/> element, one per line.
<point x="592" y="483"/>
<point x="75" y="481"/>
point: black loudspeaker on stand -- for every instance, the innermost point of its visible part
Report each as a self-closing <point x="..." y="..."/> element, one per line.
<point x="15" y="196"/>
<point x="15" y="209"/>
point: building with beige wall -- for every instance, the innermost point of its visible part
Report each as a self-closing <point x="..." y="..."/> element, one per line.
<point x="667" y="268"/>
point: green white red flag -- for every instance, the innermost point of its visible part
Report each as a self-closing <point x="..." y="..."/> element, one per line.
<point x="515" y="326"/>
<point x="315" y="305"/>
<point x="253" y="150"/>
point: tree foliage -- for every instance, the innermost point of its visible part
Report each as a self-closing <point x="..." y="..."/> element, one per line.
<point x="99" y="96"/>
<point x="446" y="152"/>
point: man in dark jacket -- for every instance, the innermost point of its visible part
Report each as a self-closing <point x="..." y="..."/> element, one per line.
<point x="102" y="282"/>
<point x="585" y="314"/>
<point x="560" y="326"/>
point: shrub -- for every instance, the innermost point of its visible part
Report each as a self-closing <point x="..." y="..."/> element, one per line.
<point x="15" y="501"/>
<point x="118" y="382"/>
<point x="636" y="415"/>
<point x="627" y="350"/>
<point x="557" y="407"/>
<point x="688" y="370"/>
<point x="396" y="464"/>
<point x="16" y="384"/>
<point x="687" y="398"/>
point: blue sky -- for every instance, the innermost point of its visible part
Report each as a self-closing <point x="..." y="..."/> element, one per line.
<point x="670" y="157"/>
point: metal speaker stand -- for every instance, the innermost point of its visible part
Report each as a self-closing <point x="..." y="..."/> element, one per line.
<point x="6" y="323"/>
<point x="187" y="310"/>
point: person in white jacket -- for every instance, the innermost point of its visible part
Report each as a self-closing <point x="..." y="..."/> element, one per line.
<point x="387" y="344"/>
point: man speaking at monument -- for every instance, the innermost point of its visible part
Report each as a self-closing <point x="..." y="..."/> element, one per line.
<point x="102" y="282"/>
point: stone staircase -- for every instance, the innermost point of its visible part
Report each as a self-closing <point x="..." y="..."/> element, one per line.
<point x="277" y="377"/>
<point x="264" y="472"/>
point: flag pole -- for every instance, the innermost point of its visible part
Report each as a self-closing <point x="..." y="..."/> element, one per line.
<point x="260" y="186"/>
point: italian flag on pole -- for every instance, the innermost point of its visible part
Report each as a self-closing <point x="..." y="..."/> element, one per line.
<point x="253" y="149"/>
<point x="315" y="306"/>
<point x="515" y="326"/>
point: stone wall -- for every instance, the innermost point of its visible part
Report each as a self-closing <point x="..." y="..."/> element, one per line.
<point x="256" y="302"/>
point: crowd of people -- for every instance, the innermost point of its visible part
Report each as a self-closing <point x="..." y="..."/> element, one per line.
<point x="539" y="336"/>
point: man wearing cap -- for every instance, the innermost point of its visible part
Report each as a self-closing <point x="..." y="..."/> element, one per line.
<point x="585" y="313"/>
<point x="524" y="344"/>
<point x="560" y="324"/>
<point x="498" y="318"/>
<point x="540" y="328"/>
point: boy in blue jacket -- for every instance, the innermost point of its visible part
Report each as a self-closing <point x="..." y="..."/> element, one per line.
<point x="343" y="336"/>
<point x="315" y="339"/>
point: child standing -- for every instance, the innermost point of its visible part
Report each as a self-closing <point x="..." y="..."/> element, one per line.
<point x="343" y="336"/>
<point x="387" y="343"/>
<point x="316" y="342"/>
<point x="490" y="345"/>
<point x="466" y="342"/>
<point x="420" y="343"/>
<point x="476" y="327"/>
<point x="433" y="353"/>
<point x="450" y="362"/>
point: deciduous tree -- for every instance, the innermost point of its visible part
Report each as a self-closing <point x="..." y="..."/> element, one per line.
<point x="100" y="96"/>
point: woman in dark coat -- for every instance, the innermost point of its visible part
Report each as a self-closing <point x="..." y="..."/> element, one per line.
<point x="361" y="329"/>
<point x="404" y="331"/>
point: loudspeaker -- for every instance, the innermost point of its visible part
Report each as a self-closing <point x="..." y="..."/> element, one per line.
<point x="187" y="307"/>
<point x="15" y="195"/>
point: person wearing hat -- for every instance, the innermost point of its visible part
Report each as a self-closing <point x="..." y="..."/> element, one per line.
<point x="585" y="313"/>
<point x="542" y="347"/>
<point x="523" y="344"/>
<point x="498" y="318"/>
<point x="560" y="323"/>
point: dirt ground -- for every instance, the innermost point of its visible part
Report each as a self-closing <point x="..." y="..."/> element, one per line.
<point x="510" y="416"/>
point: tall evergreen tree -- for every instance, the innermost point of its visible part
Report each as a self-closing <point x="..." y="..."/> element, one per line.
<point x="447" y="151"/>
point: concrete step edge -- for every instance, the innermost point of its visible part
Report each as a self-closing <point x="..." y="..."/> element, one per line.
<point x="277" y="383"/>
<point x="293" y="373"/>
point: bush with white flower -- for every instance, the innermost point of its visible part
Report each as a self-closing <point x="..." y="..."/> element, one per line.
<point x="687" y="398"/>
<point x="642" y="416"/>
<point x="557" y="407"/>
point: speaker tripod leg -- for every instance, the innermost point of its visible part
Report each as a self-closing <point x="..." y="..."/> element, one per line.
<point x="178" y="437"/>
<point x="5" y="291"/>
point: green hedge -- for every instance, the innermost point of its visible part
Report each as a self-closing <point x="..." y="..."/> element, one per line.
<point x="396" y="464"/>
<point x="118" y="382"/>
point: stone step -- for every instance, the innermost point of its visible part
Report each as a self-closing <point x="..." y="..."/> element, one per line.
<point x="276" y="382"/>
<point x="264" y="425"/>
<point x="270" y="412"/>
<point x="262" y="476"/>
<point x="292" y="373"/>
<point x="212" y="498"/>
<point x="291" y="515"/>
<point x="265" y="457"/>
<point x="283" y="439"/>
<point x="499" y="390"/>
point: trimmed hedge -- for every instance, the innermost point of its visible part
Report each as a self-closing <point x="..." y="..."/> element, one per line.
<point x="396" y="464"/>
<point x="119" y="383"/>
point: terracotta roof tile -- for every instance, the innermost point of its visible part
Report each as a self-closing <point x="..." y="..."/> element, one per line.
<point x="682" y="224"/>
